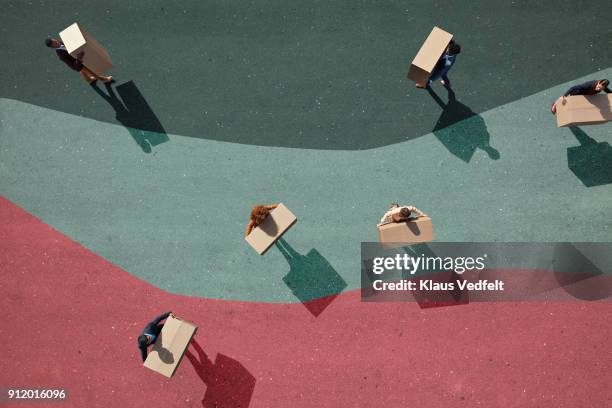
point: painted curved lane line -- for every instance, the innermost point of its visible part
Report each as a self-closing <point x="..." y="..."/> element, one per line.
<point x="176" y="217"/>
<point x="72" y="319"/>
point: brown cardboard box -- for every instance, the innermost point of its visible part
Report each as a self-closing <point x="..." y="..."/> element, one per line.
<point x="584" y="110"/>
<point x="95" y="56"/>
<point x="272" y="228"/>
<point x="170" y="346"/>
<point x="426" y="59"/>
<point x="412" y="232"/>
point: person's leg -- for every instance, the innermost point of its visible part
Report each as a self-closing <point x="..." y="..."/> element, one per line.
<point x="103" y="78"/>
<point x="434" y="75"/>
<point x="87" y="75"/>
<point x="445" y="81"/>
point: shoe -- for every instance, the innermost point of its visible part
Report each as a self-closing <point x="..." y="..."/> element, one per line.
<point x="444" y="83"/>
<point x="108" y="79"/>
<point x="421" y="86"/>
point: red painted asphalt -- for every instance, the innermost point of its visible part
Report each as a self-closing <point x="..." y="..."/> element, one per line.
<point x="72" y="318"/>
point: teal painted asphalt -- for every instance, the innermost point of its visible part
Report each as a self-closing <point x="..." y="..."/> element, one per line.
<point x="176" y="217"/>
<point x="319" y="74"/>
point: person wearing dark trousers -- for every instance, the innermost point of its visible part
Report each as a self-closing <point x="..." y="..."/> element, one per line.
<point x="445" y="63"/>
<point x="588" y="88"/>
<point x="75" y="63"/>
<point x="150" y="333"/>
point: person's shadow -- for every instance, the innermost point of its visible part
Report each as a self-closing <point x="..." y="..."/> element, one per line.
<point x="228" y="383"/>
<point x="461" y="139"/>
<point x="135" y="114"/>
<point x="311" y="278"/>
<point x="591" y="162"/>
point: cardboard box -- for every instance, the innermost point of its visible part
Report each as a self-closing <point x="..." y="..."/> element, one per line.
<point x="411" y="232"/>
<point x="272" y="228"/>
<point x="428" y="56"/>
<point x="584" y="110"/>
<point x="95" y="56"/>
<point x="170" y="346"/>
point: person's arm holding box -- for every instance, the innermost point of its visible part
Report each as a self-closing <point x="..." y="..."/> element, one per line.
<point x="159" y="318"/>
<point x="582" y="89"/>
<point x="570" y="92"/>
<point x="574" y="90"/>
<point x="385" y="218"/>
<point x="249" y="229"/>
<point x="418" y="212"/>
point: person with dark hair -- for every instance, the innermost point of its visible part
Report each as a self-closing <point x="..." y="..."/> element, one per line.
<point x="445" y="63"/>
<point x="75" y="63"/>
<point x="258" y="214"/>
<point x="400" y="214"/>
<point x="150" y="333"/>
<point x="587" y="88"/>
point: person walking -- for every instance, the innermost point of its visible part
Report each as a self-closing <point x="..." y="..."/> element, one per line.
<point x="587" y="88"/>
<point x="75" y="63"/>
<point x="150" y="333"/>
<point x="445" y="63"/>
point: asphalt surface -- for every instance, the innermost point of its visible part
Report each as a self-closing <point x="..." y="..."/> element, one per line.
<point x="317" y="75"/>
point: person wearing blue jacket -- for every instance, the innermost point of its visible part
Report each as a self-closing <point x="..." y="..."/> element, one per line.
<point x="445" y="63"/>
<point x="150" y="333"/>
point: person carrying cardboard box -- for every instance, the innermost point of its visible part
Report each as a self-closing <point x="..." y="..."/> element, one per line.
<point x="445" y="63"/>
<point x="267" y="224"/>
<point x="400" y="214"/>
<point x="587" y="88"/>
<point x="150" y="333"/>
<point x="75" y="63"/>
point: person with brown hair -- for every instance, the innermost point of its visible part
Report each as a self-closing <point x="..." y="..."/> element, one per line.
<point x="588" y="88"/>
<point x="258" y="214"/>
<point x="400" y="214"/>
<point x="75" y="63"/>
